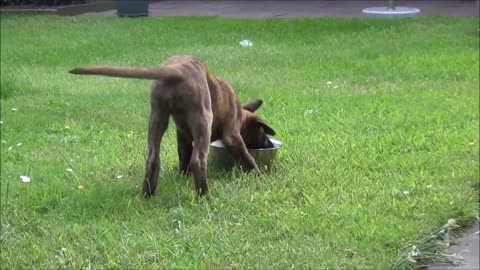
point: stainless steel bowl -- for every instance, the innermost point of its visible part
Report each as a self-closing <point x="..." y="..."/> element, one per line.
<point x="220" y="158"/>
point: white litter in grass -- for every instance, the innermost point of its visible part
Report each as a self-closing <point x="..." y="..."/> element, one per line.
<point x="429" y="186"/>
<point x="3" y="141"/>
<point x="69" y="170"/>
<point x="406" y="192"/>
<point x="246" y="43"/>
<point x="25" y="179"/>
<point x="310" y="111"/>
<point x="10" y="148"/>
<point x="1" y="122"/>
<point x="18" y="144"/>
<point x="329" y="82"/>
<point x="14" y="109"/>
<point x="119" y="176"/>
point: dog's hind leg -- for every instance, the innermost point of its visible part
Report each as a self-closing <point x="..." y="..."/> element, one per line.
<point x="158" y="123"/>
<point x="184" y="149"/>
<point x="198" y="162"/>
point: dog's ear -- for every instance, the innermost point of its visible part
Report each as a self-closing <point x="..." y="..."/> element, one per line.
<point x="253" y="105"/>
<point x="265" y="127"/>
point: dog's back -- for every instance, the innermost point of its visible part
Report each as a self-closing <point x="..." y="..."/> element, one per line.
<point x="197" y="90"/>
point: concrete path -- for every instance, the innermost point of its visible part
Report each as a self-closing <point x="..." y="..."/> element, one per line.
<point x="295" y="9"/>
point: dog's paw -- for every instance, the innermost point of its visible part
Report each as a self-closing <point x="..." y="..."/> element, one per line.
<point x="147" y="195"/>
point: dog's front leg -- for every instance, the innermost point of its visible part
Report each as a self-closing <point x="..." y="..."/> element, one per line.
<point x="158" y="123"/>
<point x="236" y="147"/>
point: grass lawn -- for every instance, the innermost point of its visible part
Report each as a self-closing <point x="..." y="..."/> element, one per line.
<point x="380" y="121"/>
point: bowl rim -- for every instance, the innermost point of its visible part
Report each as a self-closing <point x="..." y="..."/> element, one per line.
<point x="277" y="145"/>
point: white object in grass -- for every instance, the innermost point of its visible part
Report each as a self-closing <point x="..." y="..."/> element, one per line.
<point x="25" y="179"/>
<point x="246" y="43"/>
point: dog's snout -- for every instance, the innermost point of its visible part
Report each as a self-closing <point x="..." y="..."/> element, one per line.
<point x="268" y="143"/>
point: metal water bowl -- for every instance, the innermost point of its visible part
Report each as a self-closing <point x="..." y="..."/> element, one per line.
<point x="264" y="157"/>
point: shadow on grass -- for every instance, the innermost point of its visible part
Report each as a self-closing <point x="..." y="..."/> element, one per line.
<point x="119" y="198"/>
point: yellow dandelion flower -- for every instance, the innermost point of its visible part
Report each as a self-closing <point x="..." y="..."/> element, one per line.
<point x="471" y="143"/>
<point x="67" y="127"/>
<point x="80" y="187"/>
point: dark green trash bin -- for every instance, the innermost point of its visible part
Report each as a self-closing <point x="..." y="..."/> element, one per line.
<point x="132" y="8"/>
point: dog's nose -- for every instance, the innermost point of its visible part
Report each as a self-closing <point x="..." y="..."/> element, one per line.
<point x="268" y="143"/>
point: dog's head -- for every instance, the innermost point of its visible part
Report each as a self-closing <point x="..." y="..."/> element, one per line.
<point x="254" y="130"/>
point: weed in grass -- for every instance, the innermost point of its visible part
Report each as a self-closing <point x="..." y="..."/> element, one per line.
<point x="431" y="249"/>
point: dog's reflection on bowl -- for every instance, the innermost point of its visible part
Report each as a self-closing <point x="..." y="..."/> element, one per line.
<point x="264" y="157"/>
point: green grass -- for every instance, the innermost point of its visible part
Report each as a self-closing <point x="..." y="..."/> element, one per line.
<point x="401" y="115"/>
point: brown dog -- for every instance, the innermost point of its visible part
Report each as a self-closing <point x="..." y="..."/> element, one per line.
<point x="204" y="108"/>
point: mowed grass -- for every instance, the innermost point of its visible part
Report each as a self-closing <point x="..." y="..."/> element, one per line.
<point x="373" y="161"/>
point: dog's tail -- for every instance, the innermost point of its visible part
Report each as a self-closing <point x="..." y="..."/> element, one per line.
<point x="164" y="72"/>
